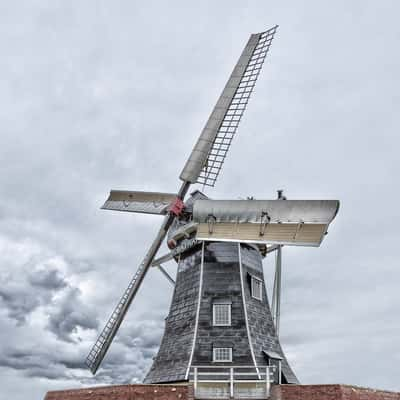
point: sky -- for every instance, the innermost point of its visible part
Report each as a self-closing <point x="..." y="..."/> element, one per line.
<point x="99" y="95"/>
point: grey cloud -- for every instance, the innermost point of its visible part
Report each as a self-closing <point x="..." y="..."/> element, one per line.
<point x="123" y="372"/>
<point x="132" y="352"/>
<point x="48" y="279"/>
<point x="18" y="303"/>
<point x="45" y="373"/>
<point x="68" y="314"/>
<point x="26" y="287"/>
<point x="42" y="364"/>
<point x="145" y="335"/>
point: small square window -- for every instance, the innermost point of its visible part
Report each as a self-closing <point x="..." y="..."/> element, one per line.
<point x="222" y="354"/>
<point x="221" y="314"/>
<point x="256" y="288"/>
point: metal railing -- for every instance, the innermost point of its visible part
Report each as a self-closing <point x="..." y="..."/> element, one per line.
<point x="238" y="382"/>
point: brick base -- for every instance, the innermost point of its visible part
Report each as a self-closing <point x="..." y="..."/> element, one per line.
<point x="329" y="392"/>
<point x="185" y="392"/>
<point x="126" y="392"/>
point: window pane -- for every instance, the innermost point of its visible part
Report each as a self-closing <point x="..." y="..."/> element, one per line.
<point x="256" y="288"/>
<point x="221" y="314"/>
<point x="222" y="354"/>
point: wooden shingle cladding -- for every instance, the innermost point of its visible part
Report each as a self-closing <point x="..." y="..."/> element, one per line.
<point x="262" y="329"/>
<point x="221" y="281"/>
<point x="221" y="284"/>
<point x="173" y="357"/>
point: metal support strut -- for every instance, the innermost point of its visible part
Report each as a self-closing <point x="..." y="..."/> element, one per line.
<point x="276" y="294"/>
<point x="166" y="274"/>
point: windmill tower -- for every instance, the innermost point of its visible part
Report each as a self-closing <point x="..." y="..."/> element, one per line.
<point x="220" y="332"/>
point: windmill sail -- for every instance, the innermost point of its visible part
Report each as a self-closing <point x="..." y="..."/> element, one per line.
<point x="139" y="202"/>
<point x="202" y="166"/>
<point x="103" y="342"/>
<point x="289" y="222"/>
<point x="208" y="155"/>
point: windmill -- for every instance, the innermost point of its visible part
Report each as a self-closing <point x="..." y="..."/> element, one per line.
<point x="219" y="315"/>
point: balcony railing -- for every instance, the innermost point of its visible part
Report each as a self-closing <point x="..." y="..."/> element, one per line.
<point x="238" y="382"/>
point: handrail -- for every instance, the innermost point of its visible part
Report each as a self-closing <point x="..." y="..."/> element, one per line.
<point x="231" y="366"/>
<point x="232" y="377"/>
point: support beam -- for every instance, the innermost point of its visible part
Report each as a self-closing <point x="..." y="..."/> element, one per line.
<point x="166" y="274"/>
<point x="276" y="302"/>
<point x="276" y="294"/>
<point x="184" y="245"/>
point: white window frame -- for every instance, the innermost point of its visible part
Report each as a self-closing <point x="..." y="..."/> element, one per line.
<point x="215" y="350"/>
<point x="229" y="323"/>
<point x="255" y="281"/>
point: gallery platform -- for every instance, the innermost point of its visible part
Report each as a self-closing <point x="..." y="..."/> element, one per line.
<point x="186" y="392"/>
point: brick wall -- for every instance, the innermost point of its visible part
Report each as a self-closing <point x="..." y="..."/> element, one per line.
<point x="126" y="392"/>
<point x="357" y="393"/>
<point x="185" y="392"/>
<point x="329" y="392"/>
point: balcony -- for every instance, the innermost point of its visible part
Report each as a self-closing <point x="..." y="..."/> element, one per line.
<point x="233" y="382"/>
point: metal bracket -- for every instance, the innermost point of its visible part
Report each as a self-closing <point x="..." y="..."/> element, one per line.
<point x="176" y="207"/>
<point x="265" y="219"/>
<point x="211" y="220"/>
<point x="299" y="226"/>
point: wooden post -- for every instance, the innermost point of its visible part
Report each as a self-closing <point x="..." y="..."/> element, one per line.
<point x="280" y="372"/>
<point x="231" y="382"/>
<point x="267" y="382"/>
<point x="195" y="382"/>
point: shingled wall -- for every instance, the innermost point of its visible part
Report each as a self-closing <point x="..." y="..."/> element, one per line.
<point x="172" y="359"/>
<point x="262" y="329"/>
<point x="221" y="281"/>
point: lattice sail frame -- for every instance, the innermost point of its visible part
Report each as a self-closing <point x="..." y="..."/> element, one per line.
<point x="209" y="153"/>
<point x="230" y="123"/>
<point x="100" y="347"/>
<point x="233" y="100"/>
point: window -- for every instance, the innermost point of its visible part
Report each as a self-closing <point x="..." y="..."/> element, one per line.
<point x="256" y="288"/>
<point x="222" y="354"/>
<point x="221" y="314"/>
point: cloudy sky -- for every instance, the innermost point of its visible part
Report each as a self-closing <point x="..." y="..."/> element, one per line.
<point x="97" y="95"/>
